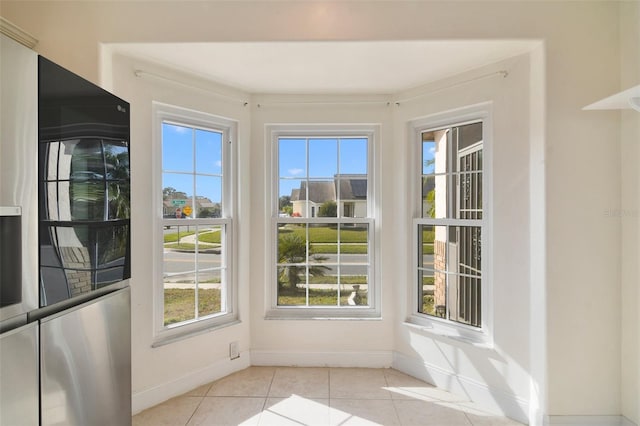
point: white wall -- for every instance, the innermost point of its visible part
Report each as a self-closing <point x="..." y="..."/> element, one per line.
<point x="581" y="163"/>
<point x="629" y="216"/>
<point x="503" y="370"/>
<point x="361" y="342"/>
<point x="169" y="370"/>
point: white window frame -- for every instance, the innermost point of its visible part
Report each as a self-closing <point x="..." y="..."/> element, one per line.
<point x="273" y="134"/>
<point x="482" y="335"/>
<point x="163" y="113"/>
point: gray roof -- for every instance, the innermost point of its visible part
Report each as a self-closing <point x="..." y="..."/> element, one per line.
<point x="319" y="191"/>
<point x="352" y="187"/>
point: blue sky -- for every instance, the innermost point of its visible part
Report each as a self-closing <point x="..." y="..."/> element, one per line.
<point x="428" y="155"/>
<point x="327" y="157"/>
<point x="178" y="156"/>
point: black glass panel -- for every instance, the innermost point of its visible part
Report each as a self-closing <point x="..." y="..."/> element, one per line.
<point x="84" y="195"/>
<point x="87" y="200"/>
<point x="119" y="206"/>
<point x="116" y="156"/>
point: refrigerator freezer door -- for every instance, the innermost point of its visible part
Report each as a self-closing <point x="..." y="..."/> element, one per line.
<point x="86" y="363"/>
<point x="19" y="376"/>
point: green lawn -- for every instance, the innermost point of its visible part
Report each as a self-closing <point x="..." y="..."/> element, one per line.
<point x="328" y="234"/>
<point x="210" y="237"/>
<point x="179" y="304"/>
<point x="344" y="248"/>
<point x="206" y="237"/>
<point x="427" y="305"/>
<point x="297" y="297"/>
<point x="175" y="237"/>
<point x="344" y="279"/>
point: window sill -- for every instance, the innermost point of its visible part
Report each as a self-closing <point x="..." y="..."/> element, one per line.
<point x="459" y="333"/>
<point x="172" y="335"/>
<point x="323" y="314"/>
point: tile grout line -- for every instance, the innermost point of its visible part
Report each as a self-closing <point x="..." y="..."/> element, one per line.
<point x="264" y="404"/>
<point x="196" y="409"/>
<point x="393" y="403"/>
<point x="329" y="389"/>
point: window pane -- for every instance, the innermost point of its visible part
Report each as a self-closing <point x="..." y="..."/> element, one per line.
<point x="353" y="195"/>
<point x="179" y="271"/>
<point x="435" y="152"/>
<point x="433" y="292"/>
<point x="209" y="294"/>
<point x="323" y="290"/>
<point x="469" y="257"/>
<point x="292" y="294"/>
<point x="435" y="197"/>
<point x="323" y="243"/>
<point x="292" y="245"/>
<point x="354" y="243"/>
<point x="322" y="198"/>
<point x="465" y="304"/>
<point x="192" y="272"/>
<point x="177" y="148"/>
<point x="291" y="200"/>
<point x="179" y="303"/>
<point x="323" y="158"/>
<point x="469" y="134"/>
<point x="426" y="245"/>
<point x="470" y="185"/>
<point x="208" y="195"/>
<point x="292" y="158"/>
<point x="176" y="194"/>
<point x="353" y="156"/>
<point x="449" y="272"/>
<point x="428" y="155"/>
<point x="354" y="285"/>
<point x="208" y="152"/>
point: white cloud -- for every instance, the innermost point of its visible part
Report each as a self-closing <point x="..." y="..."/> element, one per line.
<point x="180" y="129"/>
<point x="218" y="163"/>
<point x="295" y="171"/>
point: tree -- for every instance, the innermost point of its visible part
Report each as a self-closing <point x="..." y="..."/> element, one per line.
<point x="215" y="211"/>
<point x="170" y="193"/>
<point x="292" y="250"/>
<point x="284" y="201"/>
<point x="328" y="209"/>
<point x="431" y="203"/>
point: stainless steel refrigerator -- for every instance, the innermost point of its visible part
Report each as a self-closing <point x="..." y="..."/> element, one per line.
<point x="65" y="257"/>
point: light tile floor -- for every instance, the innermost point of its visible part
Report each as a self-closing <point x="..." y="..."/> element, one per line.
<point x="273" y="396"/>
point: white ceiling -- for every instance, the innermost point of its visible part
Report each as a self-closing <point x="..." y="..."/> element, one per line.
<point x="381" y="67"/>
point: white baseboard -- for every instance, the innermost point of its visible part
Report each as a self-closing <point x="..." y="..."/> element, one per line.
<point x="627" y="422"/>
<point x="371" y="359"/>
<point x="148" y="398"/>
<point x="493" y="400"/>
<point x="589" y="421"/>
